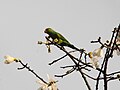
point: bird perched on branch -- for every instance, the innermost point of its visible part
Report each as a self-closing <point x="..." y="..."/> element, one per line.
<point x="59" y="39"/>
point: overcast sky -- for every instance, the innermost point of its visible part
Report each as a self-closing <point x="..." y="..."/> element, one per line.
<point x="22" y="23"/>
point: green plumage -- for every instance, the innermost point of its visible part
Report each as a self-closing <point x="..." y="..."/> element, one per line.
<point x="59" y="39"/>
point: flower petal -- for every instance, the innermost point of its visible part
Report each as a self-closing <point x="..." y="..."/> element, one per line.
<point x="98" y="52"/>
<point x="51" y="85"/>
<point x="41" y="83"/>
<point x="94" y="62"/>
<point x="118" y="52"/>
<point x="9" y="59"/>
<point x="118" y="37"/>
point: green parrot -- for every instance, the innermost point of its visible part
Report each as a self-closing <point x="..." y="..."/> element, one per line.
<point x="59" y="39"/>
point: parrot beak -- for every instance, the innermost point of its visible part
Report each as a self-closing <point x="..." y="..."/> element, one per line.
<point x="45" y="31"/>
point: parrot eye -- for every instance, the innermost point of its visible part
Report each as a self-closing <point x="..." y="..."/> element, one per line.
<point x="46" y="30"/>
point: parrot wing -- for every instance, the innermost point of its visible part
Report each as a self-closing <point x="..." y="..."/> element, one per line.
<point x="62" y="40"/>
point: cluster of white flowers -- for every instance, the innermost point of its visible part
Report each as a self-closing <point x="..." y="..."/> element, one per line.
<point x="95" y="56"/>
<point x="51" y="85"/>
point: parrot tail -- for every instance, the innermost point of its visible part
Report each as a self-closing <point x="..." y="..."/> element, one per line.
<point x="73" y="47"/>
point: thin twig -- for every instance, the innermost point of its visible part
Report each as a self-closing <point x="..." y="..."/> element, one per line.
<point x="113" y="73"/>
<point x="32" y="71"/>
<point x="67" y="73"/>
<point x="60" y="58"/>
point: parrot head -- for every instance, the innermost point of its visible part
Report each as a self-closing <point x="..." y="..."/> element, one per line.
<point x="48" y="30"/>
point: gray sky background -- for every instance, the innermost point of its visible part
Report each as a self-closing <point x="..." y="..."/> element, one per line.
<point x="22" y="23"/>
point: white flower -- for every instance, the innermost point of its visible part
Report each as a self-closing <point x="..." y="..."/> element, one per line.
<point x="118" y="43"/>
<point x="9" y="59"/>
<point x="44" y="86"/>
<point x="95" y="62"/>
<point x="118" y="50"/>
<point x="118" y="37"/>
<point x="98" y="52"/>
<point x="51" y="85"/>
<point x="95" y="56"/>
<point x="47" y="43"/>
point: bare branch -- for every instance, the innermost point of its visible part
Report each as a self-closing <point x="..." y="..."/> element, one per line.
<point x="32" y="71"/>
<point x="60" y="58"/>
